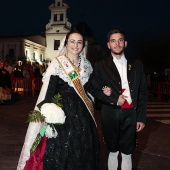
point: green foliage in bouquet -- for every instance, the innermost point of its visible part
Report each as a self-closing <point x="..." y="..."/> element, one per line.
<point x="38" y="139"/>
<point x="35" y="116"/>
<point x="56" y="99"/>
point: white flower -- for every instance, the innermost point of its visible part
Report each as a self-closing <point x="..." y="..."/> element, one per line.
<point x="53" y="113"/>
<point x="49" y="132"/>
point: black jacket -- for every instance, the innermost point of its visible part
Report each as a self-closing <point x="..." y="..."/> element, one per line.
<point x="106" y="74"/>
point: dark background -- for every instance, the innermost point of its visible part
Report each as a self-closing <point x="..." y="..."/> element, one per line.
<point x="146" y="22"/>
<point x="138" y="17"/>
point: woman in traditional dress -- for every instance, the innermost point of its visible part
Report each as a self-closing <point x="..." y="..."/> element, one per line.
<point x="5" y="85"/>
<point x="76" y="146"/>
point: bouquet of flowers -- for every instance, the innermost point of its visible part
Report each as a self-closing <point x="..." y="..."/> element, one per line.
<point x="49" y="114"/>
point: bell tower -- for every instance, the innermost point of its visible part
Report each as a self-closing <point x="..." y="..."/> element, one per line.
<point x="57" y="27"/>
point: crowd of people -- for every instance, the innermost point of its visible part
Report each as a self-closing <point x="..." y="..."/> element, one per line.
<point x="9" y="72"/>
<point x="34" y="70"/>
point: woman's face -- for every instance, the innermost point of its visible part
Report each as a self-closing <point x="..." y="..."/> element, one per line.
<point x="74" y="44"/>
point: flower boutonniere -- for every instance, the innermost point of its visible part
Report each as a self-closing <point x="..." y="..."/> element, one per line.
<point x="49" y="114"/>
<point x="129" y="67"/>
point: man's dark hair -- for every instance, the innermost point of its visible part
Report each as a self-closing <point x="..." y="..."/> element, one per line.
<point x="72" y="32"/>
<point x="114" y="31"/>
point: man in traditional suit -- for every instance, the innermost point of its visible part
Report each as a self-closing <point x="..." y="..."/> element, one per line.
<point x="121" y="86"/>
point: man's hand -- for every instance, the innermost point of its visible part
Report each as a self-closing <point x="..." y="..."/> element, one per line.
<point x="121" y="100"/>
<point x="139" y="126"/>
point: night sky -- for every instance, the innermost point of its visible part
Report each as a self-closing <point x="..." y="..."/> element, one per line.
<point x="139" y="18"/>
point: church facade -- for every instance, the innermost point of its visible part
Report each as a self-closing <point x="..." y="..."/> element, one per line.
<point x="35" y="47"/>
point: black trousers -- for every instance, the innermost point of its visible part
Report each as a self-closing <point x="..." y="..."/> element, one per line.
<point x="119" y="129"/>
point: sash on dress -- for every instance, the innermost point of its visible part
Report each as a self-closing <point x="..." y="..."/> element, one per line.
<point x="73" y="75"/>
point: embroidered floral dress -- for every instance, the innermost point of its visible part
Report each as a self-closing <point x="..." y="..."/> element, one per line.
<point x="76" y="146"/>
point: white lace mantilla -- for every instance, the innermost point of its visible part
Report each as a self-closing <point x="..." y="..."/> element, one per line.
<point x="86" y="70"/>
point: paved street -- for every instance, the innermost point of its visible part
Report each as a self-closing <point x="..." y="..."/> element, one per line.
<point x="153" y="147"/>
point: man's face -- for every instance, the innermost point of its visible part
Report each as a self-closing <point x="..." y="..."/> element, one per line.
<point x="117" y="44"/>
